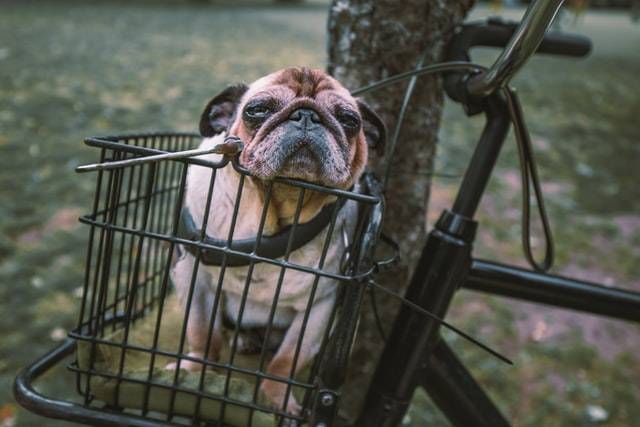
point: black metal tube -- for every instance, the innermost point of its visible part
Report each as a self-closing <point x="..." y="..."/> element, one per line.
<point x="27" y="396"/>
<point x="443" y="265"/>
<point x="444" y="262"/>
<point x="456" y="393"/>
<point x="485" y="156"/>
<point x="527" y="285"/>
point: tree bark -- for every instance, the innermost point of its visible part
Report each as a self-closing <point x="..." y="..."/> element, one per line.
<point x="370" y="40"/>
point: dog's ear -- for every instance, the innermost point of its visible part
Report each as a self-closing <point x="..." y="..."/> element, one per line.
<point x="374" y="129"/>
<point x="219" y="112"/>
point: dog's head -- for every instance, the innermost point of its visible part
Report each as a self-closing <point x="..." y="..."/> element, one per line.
<point x="298" y="123"/>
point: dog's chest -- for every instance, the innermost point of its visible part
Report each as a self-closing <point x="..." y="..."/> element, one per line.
<point x="259" y="286"/>
<point x="292" y="288"/>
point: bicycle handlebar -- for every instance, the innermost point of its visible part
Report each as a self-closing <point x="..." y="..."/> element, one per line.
<point x="519" y="42"/>
<point x="496" y="32"/>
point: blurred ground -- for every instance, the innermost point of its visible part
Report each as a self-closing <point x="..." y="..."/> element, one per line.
<point x="69" y="69"/>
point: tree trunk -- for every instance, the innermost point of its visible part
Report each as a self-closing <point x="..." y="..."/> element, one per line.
<point x="370" y="40"/>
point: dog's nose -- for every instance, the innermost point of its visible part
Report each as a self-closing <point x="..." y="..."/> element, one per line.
<point x="304" y="114"/>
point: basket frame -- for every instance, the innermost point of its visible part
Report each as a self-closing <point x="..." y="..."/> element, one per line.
<point x="103" y="221"/>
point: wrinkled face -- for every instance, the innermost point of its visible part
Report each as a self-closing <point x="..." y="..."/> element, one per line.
<point x="297" y="123"/>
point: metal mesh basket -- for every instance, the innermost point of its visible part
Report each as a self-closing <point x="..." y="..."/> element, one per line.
<point x="132" y="331"/>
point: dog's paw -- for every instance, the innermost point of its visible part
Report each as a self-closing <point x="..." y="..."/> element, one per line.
<point x="276" y="394"/>
<point x="186" y="364"/>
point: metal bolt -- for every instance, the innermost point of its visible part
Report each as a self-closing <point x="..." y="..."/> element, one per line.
<point x="326" y="399"/>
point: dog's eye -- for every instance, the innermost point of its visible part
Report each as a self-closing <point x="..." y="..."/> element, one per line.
<point x="257" y="111"/>
<point x="348" y="120"/>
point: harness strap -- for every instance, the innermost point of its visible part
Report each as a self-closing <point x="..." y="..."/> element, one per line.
<point x="272" y="247"/>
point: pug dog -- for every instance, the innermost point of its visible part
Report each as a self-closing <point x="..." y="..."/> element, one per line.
<point x="298" y="123"/>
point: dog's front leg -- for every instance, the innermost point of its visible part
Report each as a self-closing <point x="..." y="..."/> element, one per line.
<point x="200" y="305"/>
<point x="282" y="363"/>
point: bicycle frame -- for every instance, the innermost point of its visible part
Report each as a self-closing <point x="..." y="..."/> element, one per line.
<point x="446" y="262"/>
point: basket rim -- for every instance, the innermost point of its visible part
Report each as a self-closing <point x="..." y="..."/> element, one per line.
<point x="113" y="143"/>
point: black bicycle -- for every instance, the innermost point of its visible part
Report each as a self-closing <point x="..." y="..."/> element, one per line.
<point x="130" y="325"/>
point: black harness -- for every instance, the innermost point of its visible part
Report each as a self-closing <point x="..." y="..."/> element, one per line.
<point x="273" y="247"/>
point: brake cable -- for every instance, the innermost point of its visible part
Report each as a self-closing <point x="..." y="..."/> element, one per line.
<point x="372" y="283"/>
<point x="529" y="174"/>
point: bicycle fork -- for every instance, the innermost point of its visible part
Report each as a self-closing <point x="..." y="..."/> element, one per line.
<point x="415" y="355"/>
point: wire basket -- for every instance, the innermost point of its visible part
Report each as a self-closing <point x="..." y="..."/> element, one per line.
<point x="133" y="331"/>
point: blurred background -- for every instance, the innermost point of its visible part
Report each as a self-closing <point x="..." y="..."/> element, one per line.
<point x="71" y="68"/>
